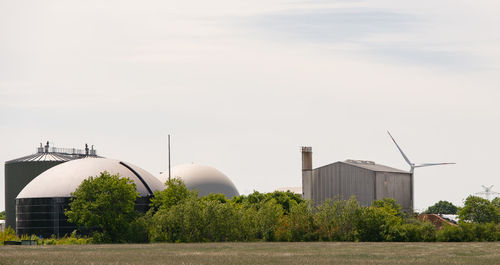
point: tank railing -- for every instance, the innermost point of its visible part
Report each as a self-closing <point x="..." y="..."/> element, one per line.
<point x="68" y="151"/>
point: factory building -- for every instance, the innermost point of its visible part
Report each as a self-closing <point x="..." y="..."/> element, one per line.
<point x="19" y="172"/>
<point x="365" y="180"/>
<point x="204" y="179"/>
<point x="40" y="205"/>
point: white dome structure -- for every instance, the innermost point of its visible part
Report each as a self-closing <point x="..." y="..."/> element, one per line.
<point x="203" y="178"/>
<point x="41" y="204"/>
<point x="63" y="179"/>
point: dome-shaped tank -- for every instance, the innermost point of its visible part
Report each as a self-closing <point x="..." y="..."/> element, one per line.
<point x="40" y="205"/>
<point x="203" y="178"/>
<point x="19" y="172"/>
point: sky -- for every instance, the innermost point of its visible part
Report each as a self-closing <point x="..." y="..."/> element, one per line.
<point x="241" y="85"/>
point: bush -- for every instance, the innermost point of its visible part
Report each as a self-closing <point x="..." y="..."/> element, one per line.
<point x="268" y="217"/>
<point x="412" y="232"/>
<point x="301" y="223"/>
<point x="380" y="222"/>
<point x="8" y="234"/>
<point x="336" y="220"/>
<point x="469" y="232"/>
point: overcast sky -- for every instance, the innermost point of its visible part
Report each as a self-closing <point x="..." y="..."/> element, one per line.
<point x="241" y="85"/>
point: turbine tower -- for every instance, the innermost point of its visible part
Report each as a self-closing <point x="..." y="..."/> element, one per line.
<point x="487" y="192"/>
<point x="413" y="165"/>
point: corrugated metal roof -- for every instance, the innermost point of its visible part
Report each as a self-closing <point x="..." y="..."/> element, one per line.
<point x="374" y="167"/>
<point x="370" y="166"/>
<point x="42" y="157"/>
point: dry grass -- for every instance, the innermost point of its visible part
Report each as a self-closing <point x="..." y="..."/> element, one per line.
<point x="256" y="253"/>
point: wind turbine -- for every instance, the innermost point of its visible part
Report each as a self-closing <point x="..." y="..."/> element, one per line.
<point x="413" y="165"/>
<point x="487" y="191"/>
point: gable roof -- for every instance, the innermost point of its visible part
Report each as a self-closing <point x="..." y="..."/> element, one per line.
<point x="370" y="166"/>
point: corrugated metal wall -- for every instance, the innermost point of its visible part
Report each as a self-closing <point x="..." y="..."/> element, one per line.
<point x="343" y="180"/>
<point x="396" y="186"/>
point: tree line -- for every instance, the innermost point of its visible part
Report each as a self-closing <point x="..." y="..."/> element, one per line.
<point x="105" y="204"/>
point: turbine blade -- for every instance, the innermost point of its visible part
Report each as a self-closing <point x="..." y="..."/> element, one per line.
<point x="433" y="164"/>
<point x="401" y="151"/>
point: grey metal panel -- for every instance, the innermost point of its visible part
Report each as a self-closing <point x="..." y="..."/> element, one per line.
<point x="343" y="181"/>
<point x="357" y="182"/>
<point x="17" y="176"/>
<point x="396" y="186"/>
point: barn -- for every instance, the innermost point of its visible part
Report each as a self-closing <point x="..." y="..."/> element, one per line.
<point x="365" y="180"/>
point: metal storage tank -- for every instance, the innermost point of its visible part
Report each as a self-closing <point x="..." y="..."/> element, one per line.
<point x="19" y="172"/>
<point x="204" y="179"/>
<point x="40" y="205"/>
<point x="366" y="180"/>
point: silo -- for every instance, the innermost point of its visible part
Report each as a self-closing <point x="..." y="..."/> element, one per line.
<point x="41" y="204"/>
<point x="19" y="172"/>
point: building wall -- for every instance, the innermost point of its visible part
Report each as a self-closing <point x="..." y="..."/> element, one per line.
<point x="396" y="186"/>
<point x="17" y="176"/>
<point x="343" y="181"/>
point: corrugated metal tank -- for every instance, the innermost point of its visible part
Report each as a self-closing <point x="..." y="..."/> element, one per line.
<point x="19" y="172"/>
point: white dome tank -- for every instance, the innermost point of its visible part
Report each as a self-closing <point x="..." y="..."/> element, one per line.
<point x="63" y="179"/>
<point x="203" y="178"/>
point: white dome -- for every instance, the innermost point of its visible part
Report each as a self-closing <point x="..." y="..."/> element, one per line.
<point x="205" y="179"/>
<point x="61" y="180"/>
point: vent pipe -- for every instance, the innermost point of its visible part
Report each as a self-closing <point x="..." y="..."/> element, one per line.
<point x="307" y="172"/>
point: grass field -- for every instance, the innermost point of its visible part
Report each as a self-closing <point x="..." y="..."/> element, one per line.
<point x="256" y="253"/>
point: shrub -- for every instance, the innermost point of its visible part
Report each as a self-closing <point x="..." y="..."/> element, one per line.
<point x="336" y="220"/>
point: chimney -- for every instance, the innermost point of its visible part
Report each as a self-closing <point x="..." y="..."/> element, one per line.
<point x="307" y="172"/>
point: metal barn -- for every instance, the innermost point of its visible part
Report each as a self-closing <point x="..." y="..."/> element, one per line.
<point x="365" y="180"/>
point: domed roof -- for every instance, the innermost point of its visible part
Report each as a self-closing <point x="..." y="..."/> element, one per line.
<point x="203" y="178"/>
<point x="61" y="180"/>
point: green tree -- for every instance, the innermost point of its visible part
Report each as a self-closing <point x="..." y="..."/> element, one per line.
<point x="495" y="202"/>
<point x="284" y="198"/>
<point x="268" y="217"/>
<point x="301" y="222"/>
<point x="442" y="207"/>
<point x="336" y="219"/>
<point x="479" y="210"/>
<point x="175" y="193"/>
<point x="182" y="222"/>
<point x="2" y="215"/>
<point x="380" y="222"/>
<point x="221" y="221"/>
<point x="106" y="204"/>
<point x="215" y="197"/>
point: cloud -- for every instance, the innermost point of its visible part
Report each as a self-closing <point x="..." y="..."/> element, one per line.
<point x="335" y="24"/>
<point x="402" y="37"/>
